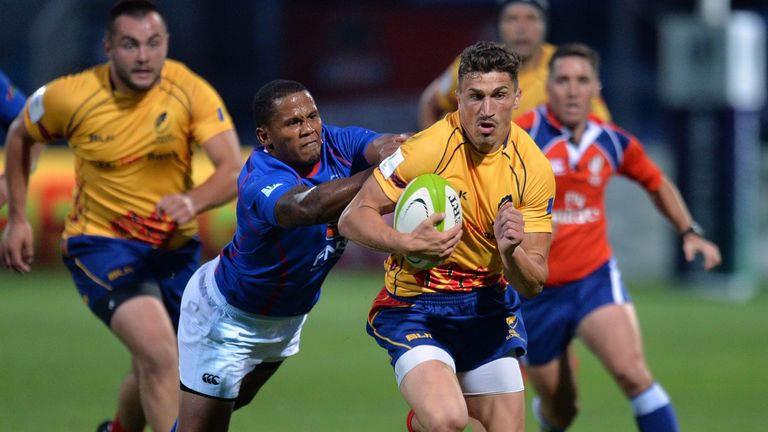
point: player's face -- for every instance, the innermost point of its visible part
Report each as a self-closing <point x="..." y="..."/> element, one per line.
<point x="571" y="86"/>
<point x="137" y="50"/>
<point x="294" y="134"/>
<point x="522" y="28"/>
<point x="486" y="102"/>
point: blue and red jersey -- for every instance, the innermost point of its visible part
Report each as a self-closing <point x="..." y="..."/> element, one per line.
<point x="270" y="270"/>
<point x="582" y="171"/>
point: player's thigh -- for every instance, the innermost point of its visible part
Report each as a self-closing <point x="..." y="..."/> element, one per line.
<point x="200" y="413"/>
<point x="253" y="382"/>
<point x="501" y="412"/>
<point x="432" y="390"/>
<point x="612" y="333"/>
<point x="143" y="325"/>
<point x="553" y="381"/>
<point x="494" y="394"/>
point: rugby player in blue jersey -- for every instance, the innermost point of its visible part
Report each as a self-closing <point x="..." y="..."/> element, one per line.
<point x="242" y="313"/>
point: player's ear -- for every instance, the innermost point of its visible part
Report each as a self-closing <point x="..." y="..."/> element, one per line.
<point x="518" y="95"/>
<point x="263" y="136"/>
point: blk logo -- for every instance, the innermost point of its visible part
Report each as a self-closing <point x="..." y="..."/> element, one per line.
<point x="211" y="379"/>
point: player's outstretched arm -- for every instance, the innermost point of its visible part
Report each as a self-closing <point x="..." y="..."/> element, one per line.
<point x="671" y="204"/>
<point x="362" y="222"/>
<point x="223" y="150"/>
<point x="16" y="247"/>
<point x="383" y="146"/>
<point x="524" y="255"/>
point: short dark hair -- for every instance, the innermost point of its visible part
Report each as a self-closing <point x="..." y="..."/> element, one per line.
<point x="484" y="57"/>
<point x="264" y="100"/>
<point x="541" y="5"/>
<point x="134" y="8"/>
<point x="576" y="49"/>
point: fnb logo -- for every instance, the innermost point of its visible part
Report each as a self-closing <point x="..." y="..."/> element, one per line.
<point x="211" y="379"/>
<point x="413" y="336"/>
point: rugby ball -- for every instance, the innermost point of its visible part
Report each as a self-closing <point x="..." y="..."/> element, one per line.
<point x="423" y="196"/>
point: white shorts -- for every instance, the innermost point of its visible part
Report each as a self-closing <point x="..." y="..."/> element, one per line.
<point x="220" y="344"/>
<point x="496" y="377"/>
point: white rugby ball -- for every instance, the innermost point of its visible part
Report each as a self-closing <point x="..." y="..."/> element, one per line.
<point x="423" y="196"/>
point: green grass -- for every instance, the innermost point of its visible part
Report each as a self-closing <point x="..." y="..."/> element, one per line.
<point x="60" y="367"/>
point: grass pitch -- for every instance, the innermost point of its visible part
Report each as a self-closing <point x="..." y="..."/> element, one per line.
<point x="60" y="367"/>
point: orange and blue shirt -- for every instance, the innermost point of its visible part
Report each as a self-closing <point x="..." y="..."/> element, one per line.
<point x="582" y="172"/>
<point x="130" y="149"/>
<point x="517" y="171"/>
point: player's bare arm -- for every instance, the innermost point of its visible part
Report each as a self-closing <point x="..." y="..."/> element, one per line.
<point x="429" y="108"/>
<point x="383" y="146"/>
<point x="304" y="206"/>
<point x="524" y="255"/>
<point x="671" y="204"/>
<point x="223" y="150"/>
<point x="362" y="222"/>
<point x="16" y="247"/>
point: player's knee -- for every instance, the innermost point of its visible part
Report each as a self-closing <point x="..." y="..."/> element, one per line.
<point x="160" y="360"/>
<point x="633" y="380"/>
<point x="445" y="421"/>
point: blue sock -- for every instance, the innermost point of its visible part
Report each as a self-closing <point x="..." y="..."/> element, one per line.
<point x="175" y="425"/>
<point x="653" y="411"/>
<point x="545" y="426"/>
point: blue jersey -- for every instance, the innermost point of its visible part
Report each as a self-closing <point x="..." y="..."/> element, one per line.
<point x="270" y="270"/>
<point x="11" y="103"/>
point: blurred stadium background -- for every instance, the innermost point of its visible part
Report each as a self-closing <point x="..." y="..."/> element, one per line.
<point x="366" y="63"/>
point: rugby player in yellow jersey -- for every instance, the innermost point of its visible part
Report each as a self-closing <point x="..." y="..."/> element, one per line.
<point x="522" y="26"/>
<point x="453" y="332"/>
<point x="130" y="238"/>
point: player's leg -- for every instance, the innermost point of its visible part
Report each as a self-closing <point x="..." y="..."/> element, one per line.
<point x="129" y="410"/>
<point x="613" y="334"/>
<point x="143" y="325"/>
<point x="494" y="394"/>
<point x="550" y="320"/>
<point x="555" y="404"/>
<point x="431" y="389"/>
<point x="253" y="382"/>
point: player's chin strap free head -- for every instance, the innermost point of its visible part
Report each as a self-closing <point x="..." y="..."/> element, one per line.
<point x="541" y="5"/>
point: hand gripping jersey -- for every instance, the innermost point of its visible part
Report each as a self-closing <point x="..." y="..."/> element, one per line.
<point x="516" y="172"/>
<point x="270" y="270"/>
<point x="11" y="101"/>
<point x="582" y="171"/>
<point x="532" y="82"/>
<point x="130" y="150"/>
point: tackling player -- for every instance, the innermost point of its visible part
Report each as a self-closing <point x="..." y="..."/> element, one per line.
<point x="130" y="239"/>
<point x="584" y="295"/>
<point x="242" y="313"/>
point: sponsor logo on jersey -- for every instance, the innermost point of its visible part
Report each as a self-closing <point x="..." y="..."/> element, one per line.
<point x="576" y="211"/>
<point x="558" y="166"/>
<point x="595" y="167"/>
<point x="267" y="191"/>
<point x="412" y="336"/>
<point x="161" y="122"/>
<point x="212" y="379"/>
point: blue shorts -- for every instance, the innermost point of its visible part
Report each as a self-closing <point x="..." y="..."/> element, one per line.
<point x="554" y="315"/>
<point x="474" y="328"/>
<point x="109" y="271"/>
